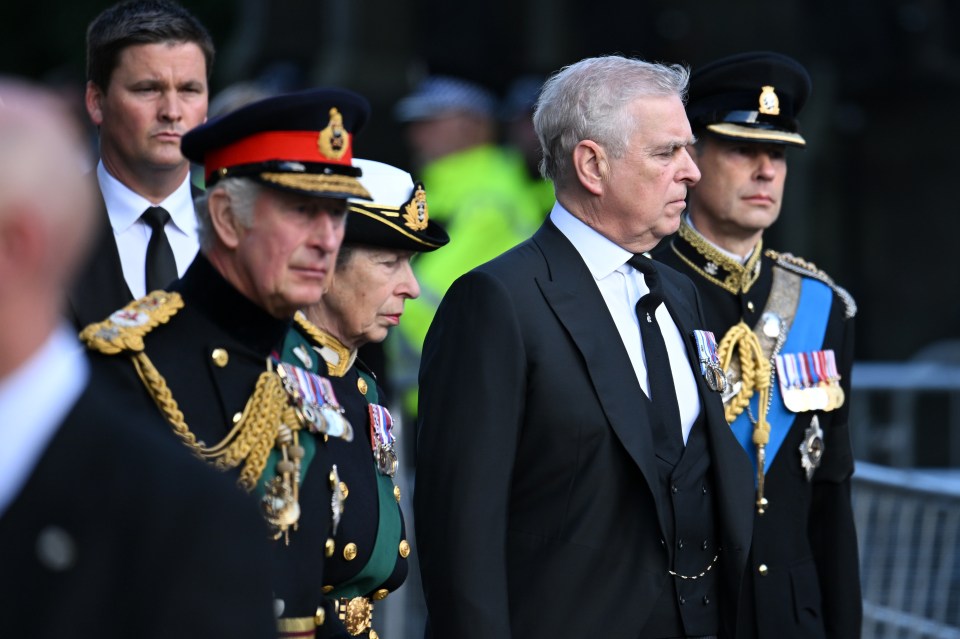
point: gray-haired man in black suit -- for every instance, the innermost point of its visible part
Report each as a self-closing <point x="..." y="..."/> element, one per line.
<point x="575" y="475"/>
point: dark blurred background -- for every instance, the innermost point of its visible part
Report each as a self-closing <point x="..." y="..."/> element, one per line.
<point x="870" y="201"/>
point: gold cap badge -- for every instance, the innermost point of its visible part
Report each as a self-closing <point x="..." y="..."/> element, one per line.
<point x="415" y="214"/>
<point x="769" y="102"/>
<point x="334" y="141"/>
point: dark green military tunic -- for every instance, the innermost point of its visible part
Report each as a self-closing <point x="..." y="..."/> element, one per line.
<point x="370" y="556"/>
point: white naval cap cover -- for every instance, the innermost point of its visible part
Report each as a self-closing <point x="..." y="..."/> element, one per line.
<point x="397" y="215"/>
<point x="390" y="185"/>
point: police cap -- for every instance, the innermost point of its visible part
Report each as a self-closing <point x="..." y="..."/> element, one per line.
<point x="300" y="142"/>
<point x="397" y="217"/>
<point x="753" y="97"/>
<point x="438" y="95"/>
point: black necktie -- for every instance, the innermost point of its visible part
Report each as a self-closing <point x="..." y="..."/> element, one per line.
<point x="667" y="435"/>
<point x="161" y="266"/>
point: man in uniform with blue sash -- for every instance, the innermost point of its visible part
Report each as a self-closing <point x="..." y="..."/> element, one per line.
<point x="786" y="350"/>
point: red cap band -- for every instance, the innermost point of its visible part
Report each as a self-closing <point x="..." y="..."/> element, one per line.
<point x="285" y="146"/>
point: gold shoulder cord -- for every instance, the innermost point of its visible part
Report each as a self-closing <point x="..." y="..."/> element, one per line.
<point x="268" y="419"/>
<point x="755" y="375"/>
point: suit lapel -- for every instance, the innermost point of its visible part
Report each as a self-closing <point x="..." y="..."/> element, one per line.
<point x="100" y="289"/>
<point x="573" y="295"/>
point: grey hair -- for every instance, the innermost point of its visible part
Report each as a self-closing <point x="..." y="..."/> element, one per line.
<point x="590" y="100"/>
<point x="242" y="192"/>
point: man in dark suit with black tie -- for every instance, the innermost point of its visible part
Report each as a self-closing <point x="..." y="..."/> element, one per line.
<point x="107" y="528"/>
<point x="552" y="497"/>
<point x="148" y="64"/>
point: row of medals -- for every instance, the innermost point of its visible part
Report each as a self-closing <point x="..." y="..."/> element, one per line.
<point x="825" y="395"/>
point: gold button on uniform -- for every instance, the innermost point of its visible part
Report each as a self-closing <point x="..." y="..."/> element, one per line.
<point x="220" y="357"/>
<point x="380" y="595"/>
<point x="763" y="570"/>
<point x="396" y="492"/>
<point x="404" y="548"/>
<point x="362" y="385"/>
<point x="329" y="547"/>
<point x="320" y="616"/>
<point x="344" y="489"/>
<point x="350" y="551"/>
<point x="750" y="306"/>
<point x="237" y="416"/>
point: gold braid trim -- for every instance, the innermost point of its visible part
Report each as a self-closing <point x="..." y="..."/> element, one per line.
<point x="803" y="267"/>
<point x="125" y="329"/>
<point x="250" y="440"/>
<point x="324" y="339"/>
<point x="740" y="277"/>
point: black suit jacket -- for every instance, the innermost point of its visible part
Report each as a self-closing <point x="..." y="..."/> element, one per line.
<point x="119" y="532"/>
<point x="536" y="499"/>
<point x="99" y="288"/>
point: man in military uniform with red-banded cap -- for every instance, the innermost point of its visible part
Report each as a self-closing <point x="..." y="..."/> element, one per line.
<point x="786" y="348"/>
<point x="206" y="352"/>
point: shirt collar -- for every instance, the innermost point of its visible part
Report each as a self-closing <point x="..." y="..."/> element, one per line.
<point x="601" y="256"/>
<point x="125" y="206"/>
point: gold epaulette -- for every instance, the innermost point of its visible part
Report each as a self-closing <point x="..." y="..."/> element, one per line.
<point x="809" y="269"/>
<point x="124" y="330"/>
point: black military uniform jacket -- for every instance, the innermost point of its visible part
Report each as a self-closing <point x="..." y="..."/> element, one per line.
<point x="211" y="354"/>
<point x="804" y="576"/>
<point x="369" y="560"/>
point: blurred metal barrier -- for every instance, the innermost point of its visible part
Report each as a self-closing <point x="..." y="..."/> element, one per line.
<point x="906" y="414"/>
<point x="908" y="524"/>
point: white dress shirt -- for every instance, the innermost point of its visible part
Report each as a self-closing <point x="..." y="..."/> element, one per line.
<point x="124" y="208"/>
<point x="621" y="286"/>
<point x="34" y="400"/>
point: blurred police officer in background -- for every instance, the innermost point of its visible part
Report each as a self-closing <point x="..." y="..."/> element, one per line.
<point x="477" y="191"/>
<point x="148" y="65"/>
<point x="786" y="347"/>
<point x="372" y="281"/>
<point x="520" y="138"/>
<point x="205" y="353"/>
<point x="108" y="528"/>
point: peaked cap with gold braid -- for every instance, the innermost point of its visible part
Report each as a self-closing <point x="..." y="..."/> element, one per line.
<point x="750" y="97"/>
<point x="299" y="142"/>
<point x="398" y="217"/>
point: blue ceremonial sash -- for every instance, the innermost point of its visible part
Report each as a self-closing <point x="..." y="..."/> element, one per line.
<point x="806" y="334"/>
